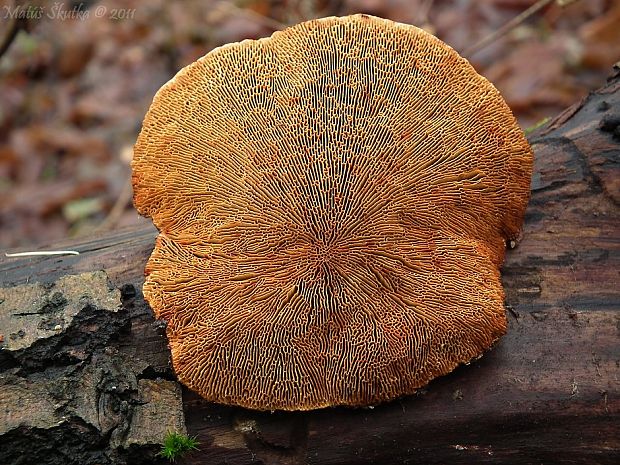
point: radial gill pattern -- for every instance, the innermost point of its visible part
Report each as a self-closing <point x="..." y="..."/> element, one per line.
<point x="333" y="204"/>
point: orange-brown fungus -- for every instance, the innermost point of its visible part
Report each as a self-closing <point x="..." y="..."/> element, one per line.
<point x="333" y="205"/>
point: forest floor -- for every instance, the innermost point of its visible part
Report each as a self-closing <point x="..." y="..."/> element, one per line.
<point x="77" y="81"/>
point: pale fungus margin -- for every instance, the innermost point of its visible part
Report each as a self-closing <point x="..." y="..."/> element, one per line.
<point x="334" y="203"/>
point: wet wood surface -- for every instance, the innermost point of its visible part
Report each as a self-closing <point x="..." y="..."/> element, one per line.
<point x="549" y="392"/>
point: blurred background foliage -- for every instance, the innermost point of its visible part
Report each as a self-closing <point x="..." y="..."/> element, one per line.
<point x="75" y="87"/>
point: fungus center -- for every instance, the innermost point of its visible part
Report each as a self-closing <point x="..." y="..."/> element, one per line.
<point x="324" y="253"/>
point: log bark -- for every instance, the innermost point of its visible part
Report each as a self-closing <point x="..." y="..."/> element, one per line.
<point x="86" y="377"/>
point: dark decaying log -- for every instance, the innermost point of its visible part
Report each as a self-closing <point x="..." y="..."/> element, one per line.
<point x="85" y="375"/>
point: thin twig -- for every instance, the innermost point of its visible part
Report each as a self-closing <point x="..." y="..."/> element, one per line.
<point x="16" y="23"/>
<point x="118" y="208"/>
<point x="257" y="17"/>
<point x="506" y="28"/>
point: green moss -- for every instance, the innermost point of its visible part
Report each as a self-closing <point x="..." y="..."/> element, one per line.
<point x="538" y="125"/>
<point x="175" y="445"/>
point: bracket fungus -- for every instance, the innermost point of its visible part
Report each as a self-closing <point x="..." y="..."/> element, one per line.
<point x="333" y="203"/>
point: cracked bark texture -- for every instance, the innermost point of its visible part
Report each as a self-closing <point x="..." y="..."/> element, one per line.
<point x="547" y="393"/>
<point x="72" y="387"/>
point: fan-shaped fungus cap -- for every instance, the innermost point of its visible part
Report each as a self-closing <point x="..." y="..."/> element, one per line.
<point x="333" y="204"/>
